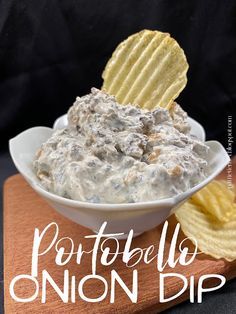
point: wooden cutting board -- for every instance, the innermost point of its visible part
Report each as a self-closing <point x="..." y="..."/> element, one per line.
<point x="24" y="211"/>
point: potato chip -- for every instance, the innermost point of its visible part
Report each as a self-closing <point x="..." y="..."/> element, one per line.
<point x="214" y="238"/>
<point x="147" y="69"/>
<point x="217" y="199"/>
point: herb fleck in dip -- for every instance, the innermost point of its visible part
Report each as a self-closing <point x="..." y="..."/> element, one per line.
<point x="111" y="153"/>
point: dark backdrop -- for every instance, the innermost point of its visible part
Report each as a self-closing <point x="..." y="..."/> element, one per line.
<point x="52" y="51"/>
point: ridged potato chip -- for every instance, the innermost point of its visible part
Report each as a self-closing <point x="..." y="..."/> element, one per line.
<point x="214" y="238"/>
<point x="147" y="69"/>
<point x="217" y="199"/>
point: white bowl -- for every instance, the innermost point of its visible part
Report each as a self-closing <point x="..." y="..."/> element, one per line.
<point x="120" y="217"/>
<point x="196" y="128"/>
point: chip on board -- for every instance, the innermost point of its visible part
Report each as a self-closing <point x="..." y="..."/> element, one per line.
<point x="214" y="238"/>
<point x="217" y="199"/>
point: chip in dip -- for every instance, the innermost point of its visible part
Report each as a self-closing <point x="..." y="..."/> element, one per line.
<point x="111" y="153"/>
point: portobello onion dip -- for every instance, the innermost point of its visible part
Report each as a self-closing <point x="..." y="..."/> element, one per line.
<point x="111" y="153"/>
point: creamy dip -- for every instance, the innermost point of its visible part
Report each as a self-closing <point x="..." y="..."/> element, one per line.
<point x="111" y="153"/>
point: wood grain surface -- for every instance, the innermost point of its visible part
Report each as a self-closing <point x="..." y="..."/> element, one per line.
<point x="24" y="211"/>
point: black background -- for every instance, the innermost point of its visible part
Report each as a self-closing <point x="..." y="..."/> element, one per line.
<point x="52" y="51"/>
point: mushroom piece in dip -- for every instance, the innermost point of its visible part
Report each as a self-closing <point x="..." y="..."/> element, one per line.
<point x="111" y="153"/>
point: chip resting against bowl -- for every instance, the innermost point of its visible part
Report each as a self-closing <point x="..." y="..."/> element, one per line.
<point x="147" y="69"/>
<point x="199" y="221"/>
<point x="216" y="198"/>
<point x="111" y="153"/>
